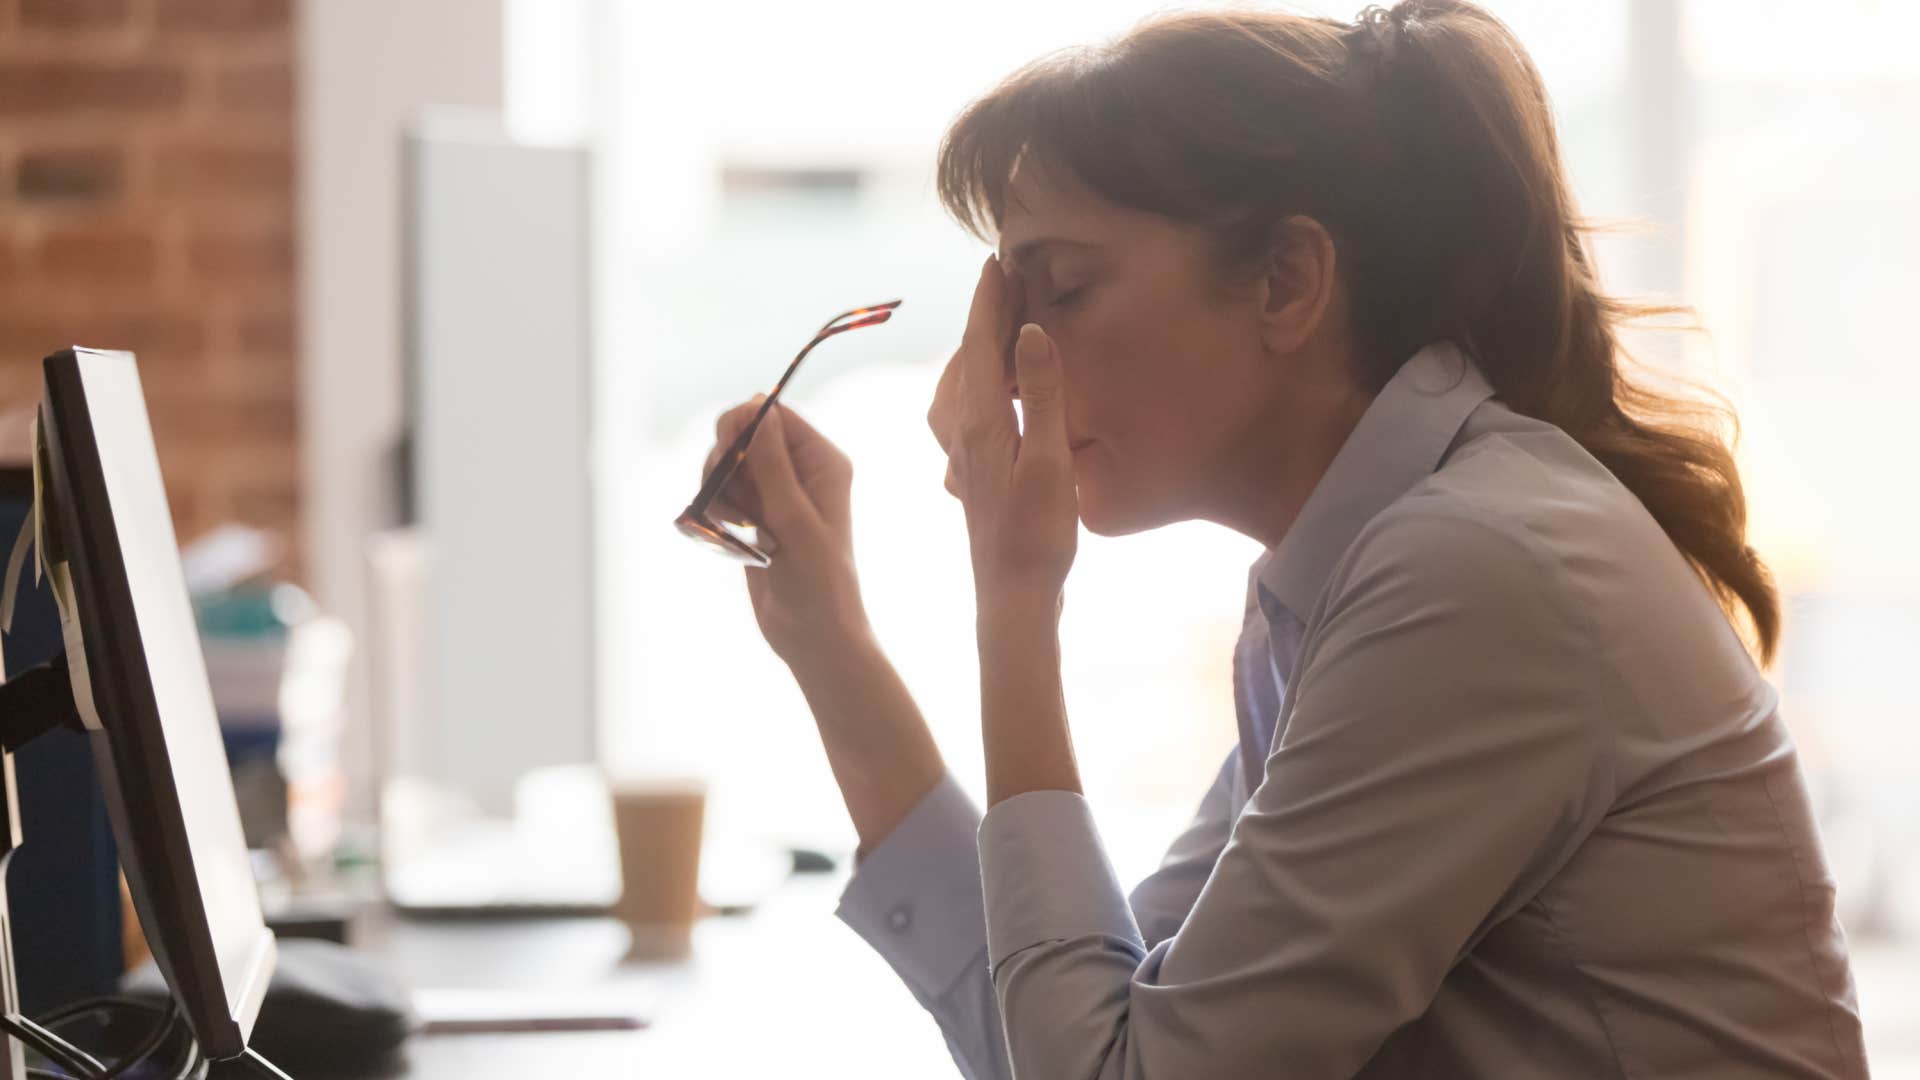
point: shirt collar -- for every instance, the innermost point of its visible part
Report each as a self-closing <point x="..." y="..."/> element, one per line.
<point x="1399" y="440"/>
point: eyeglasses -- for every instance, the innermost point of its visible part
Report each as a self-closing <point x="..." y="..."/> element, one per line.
<point x="745" y="540"/>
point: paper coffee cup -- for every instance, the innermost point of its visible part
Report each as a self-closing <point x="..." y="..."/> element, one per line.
<point x="658" y="825"/>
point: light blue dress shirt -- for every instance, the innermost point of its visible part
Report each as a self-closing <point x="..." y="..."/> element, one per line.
<point x="1510" y="800"/>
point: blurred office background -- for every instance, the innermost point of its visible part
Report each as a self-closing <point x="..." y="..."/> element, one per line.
<point x="275" y="202"/>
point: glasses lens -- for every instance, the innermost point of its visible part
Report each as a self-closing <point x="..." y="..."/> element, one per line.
<point x="721" y="541"/>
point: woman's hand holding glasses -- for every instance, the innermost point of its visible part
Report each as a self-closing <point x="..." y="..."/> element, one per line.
<point x="773" y="483"/>
<point x="772" y="473"/>
<point x="796" y="485"/>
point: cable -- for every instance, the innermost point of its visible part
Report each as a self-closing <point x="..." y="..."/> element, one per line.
<point x="53" y="1047"/>
<point x="97" y="1004"/>
<point x="169" y="1019"/>
<point x="190" y="1063"/>
<point x="169" y="1016"/>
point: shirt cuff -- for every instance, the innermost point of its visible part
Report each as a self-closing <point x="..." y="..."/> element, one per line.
<point x="916" y="896"/>
<point x="1045" y="875"/>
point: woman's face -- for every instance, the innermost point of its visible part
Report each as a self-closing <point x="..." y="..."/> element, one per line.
<point x="1166" y="375"/>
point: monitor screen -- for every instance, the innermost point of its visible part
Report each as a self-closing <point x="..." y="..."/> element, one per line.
<point x="141" y="686"/>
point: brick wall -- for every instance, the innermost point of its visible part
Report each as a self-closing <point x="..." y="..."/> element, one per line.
<point x="146" y="203"/>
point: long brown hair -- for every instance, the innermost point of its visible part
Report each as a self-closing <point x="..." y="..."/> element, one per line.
<point x="1421" y="137"/>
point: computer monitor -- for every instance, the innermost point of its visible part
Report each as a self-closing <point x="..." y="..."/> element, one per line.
<point x="140" y="687"/>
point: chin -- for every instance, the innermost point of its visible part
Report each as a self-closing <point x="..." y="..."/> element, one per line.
<point x="1105" y="515"/>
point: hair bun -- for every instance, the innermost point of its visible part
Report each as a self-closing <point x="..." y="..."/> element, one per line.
<point x="1378" y="33"/>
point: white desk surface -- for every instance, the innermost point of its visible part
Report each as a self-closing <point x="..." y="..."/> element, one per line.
<point x="784" y="991"/>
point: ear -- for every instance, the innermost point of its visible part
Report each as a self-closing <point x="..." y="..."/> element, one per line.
<point x="1301" y="277"/>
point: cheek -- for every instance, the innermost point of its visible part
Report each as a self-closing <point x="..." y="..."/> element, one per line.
<point x="1123" y="390"/>
<point x="1126" y="376"/>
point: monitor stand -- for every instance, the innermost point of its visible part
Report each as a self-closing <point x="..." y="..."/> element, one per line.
<point x="33" y="703"/>
<point x="13" y="1056"/>
<point x="248" y="1066"/>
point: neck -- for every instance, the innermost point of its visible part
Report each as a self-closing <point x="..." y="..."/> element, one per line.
<point x="1267" y="479"/>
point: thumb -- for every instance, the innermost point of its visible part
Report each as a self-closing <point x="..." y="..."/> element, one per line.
<point x="1036" y="363"/>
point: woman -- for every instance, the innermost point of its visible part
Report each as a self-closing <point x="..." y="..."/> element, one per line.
<point x="1511" y="797"/>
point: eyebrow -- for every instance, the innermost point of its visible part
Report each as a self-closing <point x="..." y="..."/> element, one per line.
<point x="1027" y="249"/>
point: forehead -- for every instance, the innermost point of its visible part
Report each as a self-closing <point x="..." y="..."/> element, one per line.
<point x="1050" y="209"/>
<point x="1050" y="202"/>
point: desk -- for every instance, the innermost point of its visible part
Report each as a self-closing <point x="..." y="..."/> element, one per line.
<point x="785" y="991"/>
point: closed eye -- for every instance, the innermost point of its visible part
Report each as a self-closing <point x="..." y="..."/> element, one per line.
<point x="1066" y="298"/>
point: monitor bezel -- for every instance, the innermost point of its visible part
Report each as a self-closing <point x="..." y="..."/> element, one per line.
<point x="129" y="741"/>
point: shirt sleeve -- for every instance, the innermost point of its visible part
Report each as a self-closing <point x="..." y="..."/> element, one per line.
<point x="1441" y="760"/>
<point x="917" y="900"/>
